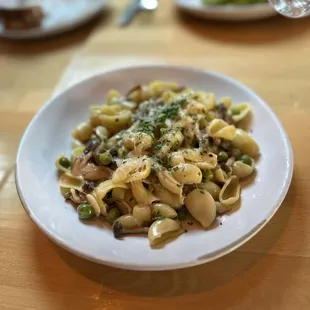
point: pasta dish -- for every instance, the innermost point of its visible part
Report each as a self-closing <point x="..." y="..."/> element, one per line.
<point x="158" y="155"/>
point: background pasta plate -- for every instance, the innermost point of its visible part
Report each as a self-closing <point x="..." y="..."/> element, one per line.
<point x="228" y="12"/>
<point x="49" y="134"/>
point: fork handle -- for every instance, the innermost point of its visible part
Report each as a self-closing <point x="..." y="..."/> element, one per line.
<point x="129" y="13"/>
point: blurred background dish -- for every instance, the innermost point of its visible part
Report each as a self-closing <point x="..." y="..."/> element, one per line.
<point x="47" y="17"/>
<point x="230" y="10"/>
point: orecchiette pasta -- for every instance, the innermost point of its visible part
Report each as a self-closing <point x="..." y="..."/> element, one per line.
<point x="186" y="174"/>
<point x="201" y="206"/>
<point x="220" y="129"/>
<point x="239" y="111"/>
<point x="133" y="169"/>
<point x="141" y="194"/>
<point x="147" y="158"/>
<point x="245" y="143"/>
<point x="230" y="192"/>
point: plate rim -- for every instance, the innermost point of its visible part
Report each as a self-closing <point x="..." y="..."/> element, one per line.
<point x="225" y="7"/>
<point x="206" y="258"/>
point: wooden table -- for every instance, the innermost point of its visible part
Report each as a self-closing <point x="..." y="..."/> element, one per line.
<point x="272" y="271"/>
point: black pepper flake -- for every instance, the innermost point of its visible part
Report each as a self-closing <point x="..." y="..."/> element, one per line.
<point x="221" y="223"/>
<point x="190" y="223"/>
<point x="185" y="230"/>
<point x="210" y="155"/>
<point x="117" y="120"/>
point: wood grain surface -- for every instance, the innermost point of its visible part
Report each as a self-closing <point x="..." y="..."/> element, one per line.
<point x="271" y="271"/>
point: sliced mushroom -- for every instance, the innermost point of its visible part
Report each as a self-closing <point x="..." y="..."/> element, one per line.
<point x="162" y="230"/>
<point x="89" y="171"/>
<point x="127" y="224"/>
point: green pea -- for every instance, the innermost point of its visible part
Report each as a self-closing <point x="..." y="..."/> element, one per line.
<point x="236" y="153"/>
<point x="246" y="160"/>
<point x="182" y="214"/>
<point x="65" y="162"/>
<point x="208" y="174"/>
<point x="113" y="214"/>
<point x="105" y="158"/>
<point x="222" y="156"/>
<point x="85" y="211"/>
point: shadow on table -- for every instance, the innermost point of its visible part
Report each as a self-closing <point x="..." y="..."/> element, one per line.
<point x="222" y="276"/>
<point x="276" y="28"/>
<point x="62" y="40"/>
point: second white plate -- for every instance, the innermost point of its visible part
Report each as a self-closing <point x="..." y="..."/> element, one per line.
<point x="226" y="12"/>
<point x="61" y="16"/>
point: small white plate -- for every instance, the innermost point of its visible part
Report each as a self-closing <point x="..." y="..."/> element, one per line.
<point x="61" y="16"/>
<point x="49" y="134"/>
<point x="226" y="12"/>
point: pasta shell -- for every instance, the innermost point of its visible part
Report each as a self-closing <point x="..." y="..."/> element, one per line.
<point x="118" y="193"/>
<point x="226" y="101"/>
<point x="142" y="213"/>
<point x="92" y="201"/>
<point x="200" y="159"/>
<point x="245" y="143"/>
<point x="82" y="132"/>
<point x="141" y="194"/>
<point x="208" y="99"/>
<point x="162" y="209"/>
<point x="230" y="192"/>
<point x="239" y="111"/>
<point x="162" y="230"/>
<point x="67" y="180"/>
<point x="186" y="174"/>
<point x="195" y="108"/>
<point x="176" y="158"/>
<point x="201" y="206"/>
<point x="168" y="181"/>
<point x="220" y="208"/>
<point x="114" y="118"/>
<point x="127" y="224"/>
<point x="212" y="188"/>
<point x="241" y="169"/>
<point x="220" y="175"/>
<point x="102" y="189"/>
<point x="165" y="196"/>
<point x="130" y="198"/>
<point x="132" y="170"/>
<point x="139" y="140"/>
<point x="220" y="129"/>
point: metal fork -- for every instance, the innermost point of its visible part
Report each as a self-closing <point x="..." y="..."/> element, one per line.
<point x="134" y="7"/>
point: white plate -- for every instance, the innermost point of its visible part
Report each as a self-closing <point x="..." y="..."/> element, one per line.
<point x="226" y="12"/>
<point x="61" y="16"/>
<point x="49" y="134"/>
